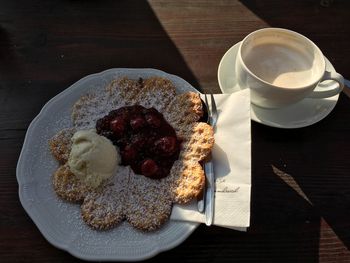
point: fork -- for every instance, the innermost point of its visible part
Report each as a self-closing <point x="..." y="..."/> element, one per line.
<point x="209" y="168"/>
<point x="201" y="199"/>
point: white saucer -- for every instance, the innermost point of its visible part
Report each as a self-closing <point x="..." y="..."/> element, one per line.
<point x="301" y="114"/>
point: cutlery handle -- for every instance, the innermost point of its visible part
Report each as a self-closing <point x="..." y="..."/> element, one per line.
<point x="210" y="194"/>
<point x="200" y="203"/>
<point x="347" y="83"/>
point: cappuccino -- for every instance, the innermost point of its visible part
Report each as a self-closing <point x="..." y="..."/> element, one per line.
<point x="281" y="65"/>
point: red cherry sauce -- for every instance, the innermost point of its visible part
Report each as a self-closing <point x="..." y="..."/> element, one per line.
<point x="146" y="141"/>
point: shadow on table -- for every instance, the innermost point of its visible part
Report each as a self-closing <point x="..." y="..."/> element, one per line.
<point x="8" y="63"/>
<point x="284" y="226"/>
<point x="307" y="16"/>
<point x="111" y="34"/>
<point x="67" y="40"/>
<point x="313" y="161"/>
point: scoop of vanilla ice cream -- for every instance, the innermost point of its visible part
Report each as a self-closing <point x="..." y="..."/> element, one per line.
<point x="93" y="158"/>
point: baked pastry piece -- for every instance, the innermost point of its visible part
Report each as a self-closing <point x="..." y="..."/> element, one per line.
<point x="144" y="202"/>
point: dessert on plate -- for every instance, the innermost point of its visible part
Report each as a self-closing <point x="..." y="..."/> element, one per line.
<point x="133" y="150"/>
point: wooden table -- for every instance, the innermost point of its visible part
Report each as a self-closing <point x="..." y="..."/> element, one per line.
<point x="301" y="178"/>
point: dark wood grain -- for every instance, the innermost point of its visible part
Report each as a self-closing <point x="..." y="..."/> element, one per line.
<point x="301" y="182"/>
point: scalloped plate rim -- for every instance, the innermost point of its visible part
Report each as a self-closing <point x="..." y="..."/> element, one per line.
<point x="191" y="226"/>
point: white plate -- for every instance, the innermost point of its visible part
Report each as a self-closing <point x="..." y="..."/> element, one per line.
<point x="301" y="114"/>
<point x="59" y="221"/>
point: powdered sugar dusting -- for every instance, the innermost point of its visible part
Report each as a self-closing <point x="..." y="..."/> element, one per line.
<point x="149" y="202"/>
<point x="60" y="221"/>
<point x="104" y="207"/>
<point x="144" y="202"/>
<point x="91" y="107"/>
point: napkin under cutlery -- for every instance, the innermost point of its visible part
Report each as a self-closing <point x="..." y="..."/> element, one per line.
<point x="232" y="165"/>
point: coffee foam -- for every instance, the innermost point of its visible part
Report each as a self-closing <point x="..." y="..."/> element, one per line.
<point x="283" y="62"/>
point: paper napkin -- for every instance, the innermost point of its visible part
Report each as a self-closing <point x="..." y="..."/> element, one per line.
<point x="232" y="165"/>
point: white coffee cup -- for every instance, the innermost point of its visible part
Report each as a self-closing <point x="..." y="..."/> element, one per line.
<point x="282" y="67"/>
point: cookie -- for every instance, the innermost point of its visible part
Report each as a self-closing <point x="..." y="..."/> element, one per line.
<point x="149" y="203"/>
<point x="183" y="110"/>
<point x="60" y="144"/>
<point x="103" y="208"/>
<point x="67" y="186"/>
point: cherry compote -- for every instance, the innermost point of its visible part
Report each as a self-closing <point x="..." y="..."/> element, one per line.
<point x="146" y="141"/>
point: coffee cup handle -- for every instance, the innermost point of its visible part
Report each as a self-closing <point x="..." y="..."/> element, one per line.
<point x="325" y="90"/>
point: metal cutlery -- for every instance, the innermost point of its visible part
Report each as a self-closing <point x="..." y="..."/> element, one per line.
<point x="347" y="83"/>
<point x="200" y="202"/>
<point x="201" y="198"/>
<point x="346" y="89"/>
<point x="209" y="168"/>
